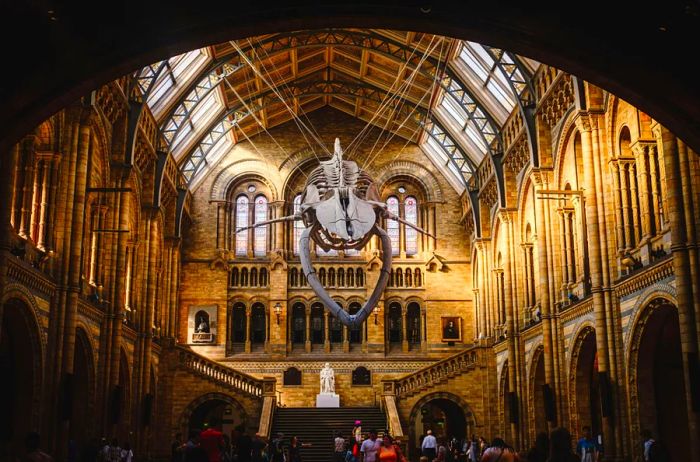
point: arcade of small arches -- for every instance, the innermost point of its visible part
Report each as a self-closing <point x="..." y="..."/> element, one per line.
<point x="561" y="251"/>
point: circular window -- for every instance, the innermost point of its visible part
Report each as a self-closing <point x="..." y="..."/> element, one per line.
<point x="402" y="189"/>
<point x="251" y="188"/>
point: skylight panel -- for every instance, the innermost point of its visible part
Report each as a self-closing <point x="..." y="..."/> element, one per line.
<point x="210" y="107"/>
<point x="454" y="110"/>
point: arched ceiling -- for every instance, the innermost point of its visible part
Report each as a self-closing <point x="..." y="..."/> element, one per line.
<point x="450" y="96"/>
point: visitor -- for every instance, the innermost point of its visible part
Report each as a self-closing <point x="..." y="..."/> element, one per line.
<point x="369" y="447"/>
<point x="389" y="452"/>
<point x="441" y="452"/>
<point x="177" y="449"/>
<point x="212" y="441"/>
<point x="357" y="431"/>
<point x="350" y="455"/>
<point x="257" y="448"/>
<point x="34" y="453"/>
<point x="429" y="446"/>
<point x="499" y="451"/>
<point x="474" y="450"/>
<point x="295" y="449"/>
<point x="654" y="451"/>
<point x="127" y="455"/>
<point x="194" y="452"/>
<point x="243" y="445"/>
<point x="586" y="448"/>
<point x="483" y="444"/>
<point x="339" y="443"/>
<point x="113" y="452"/>
<point x="560" y="446"/>
<point x="277" y="453"/>
<point x="540" y="451"/>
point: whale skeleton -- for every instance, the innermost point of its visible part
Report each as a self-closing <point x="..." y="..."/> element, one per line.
<point x="341" y="209"/>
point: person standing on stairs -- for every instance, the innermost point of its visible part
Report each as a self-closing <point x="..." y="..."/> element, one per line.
<point x="369" y="448"/>
<point x="339" y="448"/>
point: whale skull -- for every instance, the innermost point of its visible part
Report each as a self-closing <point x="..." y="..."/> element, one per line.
<point x="341" y="209"/>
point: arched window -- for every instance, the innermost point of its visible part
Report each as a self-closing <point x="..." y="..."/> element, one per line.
<point x="254" y="277"/>
<point x="238" y="325"/>
<point x="341" y="277"/>
<point x="394" y="327"/>
<point x="258" y="324"/>
<point x="298" y="225"/>
<point x="392" y="226"/>
<point x="399" y="277"/>
<point x="234" y="281"/>
<point x="411" y="216"/>
<point x="409" y="278"/>
<point x="294" y="278"/>
<point x="260" y="233"/>
<point x="417" y="278"/>
<point x="322" y="276"/>
<point x="351" y="277"/>
<point x="359" y="278"/>
<point x="331" y="277"/>
<point x="355" y="332"/>
<point x="317" y="324"/>
<point x="413" y="323"/>
<point x="263" y="277"/>
<point x="244" y="277"/>
<point x="335" y="328"/>
<point x="241" y="222"/>
<point x="299" y="324"/>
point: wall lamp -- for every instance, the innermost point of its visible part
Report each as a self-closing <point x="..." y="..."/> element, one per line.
<point x="278" y="311"/>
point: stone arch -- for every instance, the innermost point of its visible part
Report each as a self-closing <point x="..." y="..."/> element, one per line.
<point x="84" y="386"/>
<point x="18" y="291"/>
<point x="658" y="290"/>
<point x="537" y="417"/>
<point x="197" y="402"/>
<point x="418" y="173"/>
<point x="469" y="416"/>
<point x="503" y="408"/>
<point x="230" y="176"/>
<point x="646" y="319"/>
<point x="578" y="391"/>
<point x="23" y="358"/>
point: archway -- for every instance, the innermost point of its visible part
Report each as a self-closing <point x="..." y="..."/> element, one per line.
<point x="538" y="419"/>
<point x="81" y="423"/>
<point x="20" y="367"/>
<point x="660" y="386"/>
<point x="446" y="414"/>
<point x="585" y="396"/>
<point x="213" y="410"/>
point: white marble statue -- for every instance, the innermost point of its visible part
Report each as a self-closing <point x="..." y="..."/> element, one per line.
<point x="327" y="380"/>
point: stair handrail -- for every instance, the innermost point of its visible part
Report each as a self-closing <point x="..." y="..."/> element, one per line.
<point x="461" y="361"/>
<point x="201" y="365"/>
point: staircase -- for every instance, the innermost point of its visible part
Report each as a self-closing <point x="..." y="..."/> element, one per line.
<point x="318" y="427"/>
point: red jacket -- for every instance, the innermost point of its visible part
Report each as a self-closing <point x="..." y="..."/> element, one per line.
<point x="212" y="441"/>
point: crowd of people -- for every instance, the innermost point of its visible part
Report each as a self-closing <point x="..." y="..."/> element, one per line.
<point x="211" y="445"/>
<point x="553" y="447"/>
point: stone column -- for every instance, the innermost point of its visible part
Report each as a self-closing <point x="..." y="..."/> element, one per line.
<point x="307" y="342"/>
<point x="640" y="154"/>
<point x="626" y="225"/>
<point x="278" y="210"/>
<point x="636" y="225"/>
<point x="39" y="165"/>
<point x="564" y="251"/>
<point x="404" y="329"/>
<point x="678" y="214"/>
<point x="28" y="187"/>
<point x="248" y="317"/>
<point x="46" y="175"/>
<point x="595" y="263"/>
<point x="326" y="332"/>
<point x="618" y="207"/>
<point x="654" y="176"/>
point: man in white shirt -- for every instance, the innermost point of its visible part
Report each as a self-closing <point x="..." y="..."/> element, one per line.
<point x="429" y="446"/>
<point x="369" y="448"/>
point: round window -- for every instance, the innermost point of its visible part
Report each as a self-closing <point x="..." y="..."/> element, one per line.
<point x="251" y="188"/>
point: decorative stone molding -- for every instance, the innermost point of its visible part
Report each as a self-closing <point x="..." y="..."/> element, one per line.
<point x="645" y="278"/>
<point x="238" y="171"/>
<point x="426" y="178"/>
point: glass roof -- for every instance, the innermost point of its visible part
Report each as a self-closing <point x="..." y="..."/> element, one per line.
<point x="472" y="92"/>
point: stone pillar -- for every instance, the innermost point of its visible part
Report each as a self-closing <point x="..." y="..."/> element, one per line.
<point x="595" y="264"/>
<point x="278" y="210"/>
<point x="640" y="154"/>
<point x="28" y="186"/>
<point x="628" y="233"/>
<point x="654" y="176"/>
<point x="36" y="200"/>
<point x="678" y="213"/>
<point x="404" y="329"/>
<point x="618" y="207"/>
<point x="307" y="343"/>
<point x="326" y="332"/>
<point x="46" y="176"/>
<point x="636" y="225"/>
<point x="248" y="318"/>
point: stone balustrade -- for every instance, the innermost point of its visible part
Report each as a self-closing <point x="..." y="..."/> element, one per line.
<point x="221" y="374"/>
<point x="434" y="374"/>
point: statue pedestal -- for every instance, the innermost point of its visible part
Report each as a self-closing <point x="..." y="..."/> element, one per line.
<point x="327" y="400"/>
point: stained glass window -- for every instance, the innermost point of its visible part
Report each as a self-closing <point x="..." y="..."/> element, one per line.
<point x="241" y="222"/>
<point x="392" y="226"/>
<point x="411" y="216"/>
<point x="260" y="233"/>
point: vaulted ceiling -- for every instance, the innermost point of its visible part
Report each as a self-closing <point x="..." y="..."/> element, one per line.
<point x="449" y="96"/>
